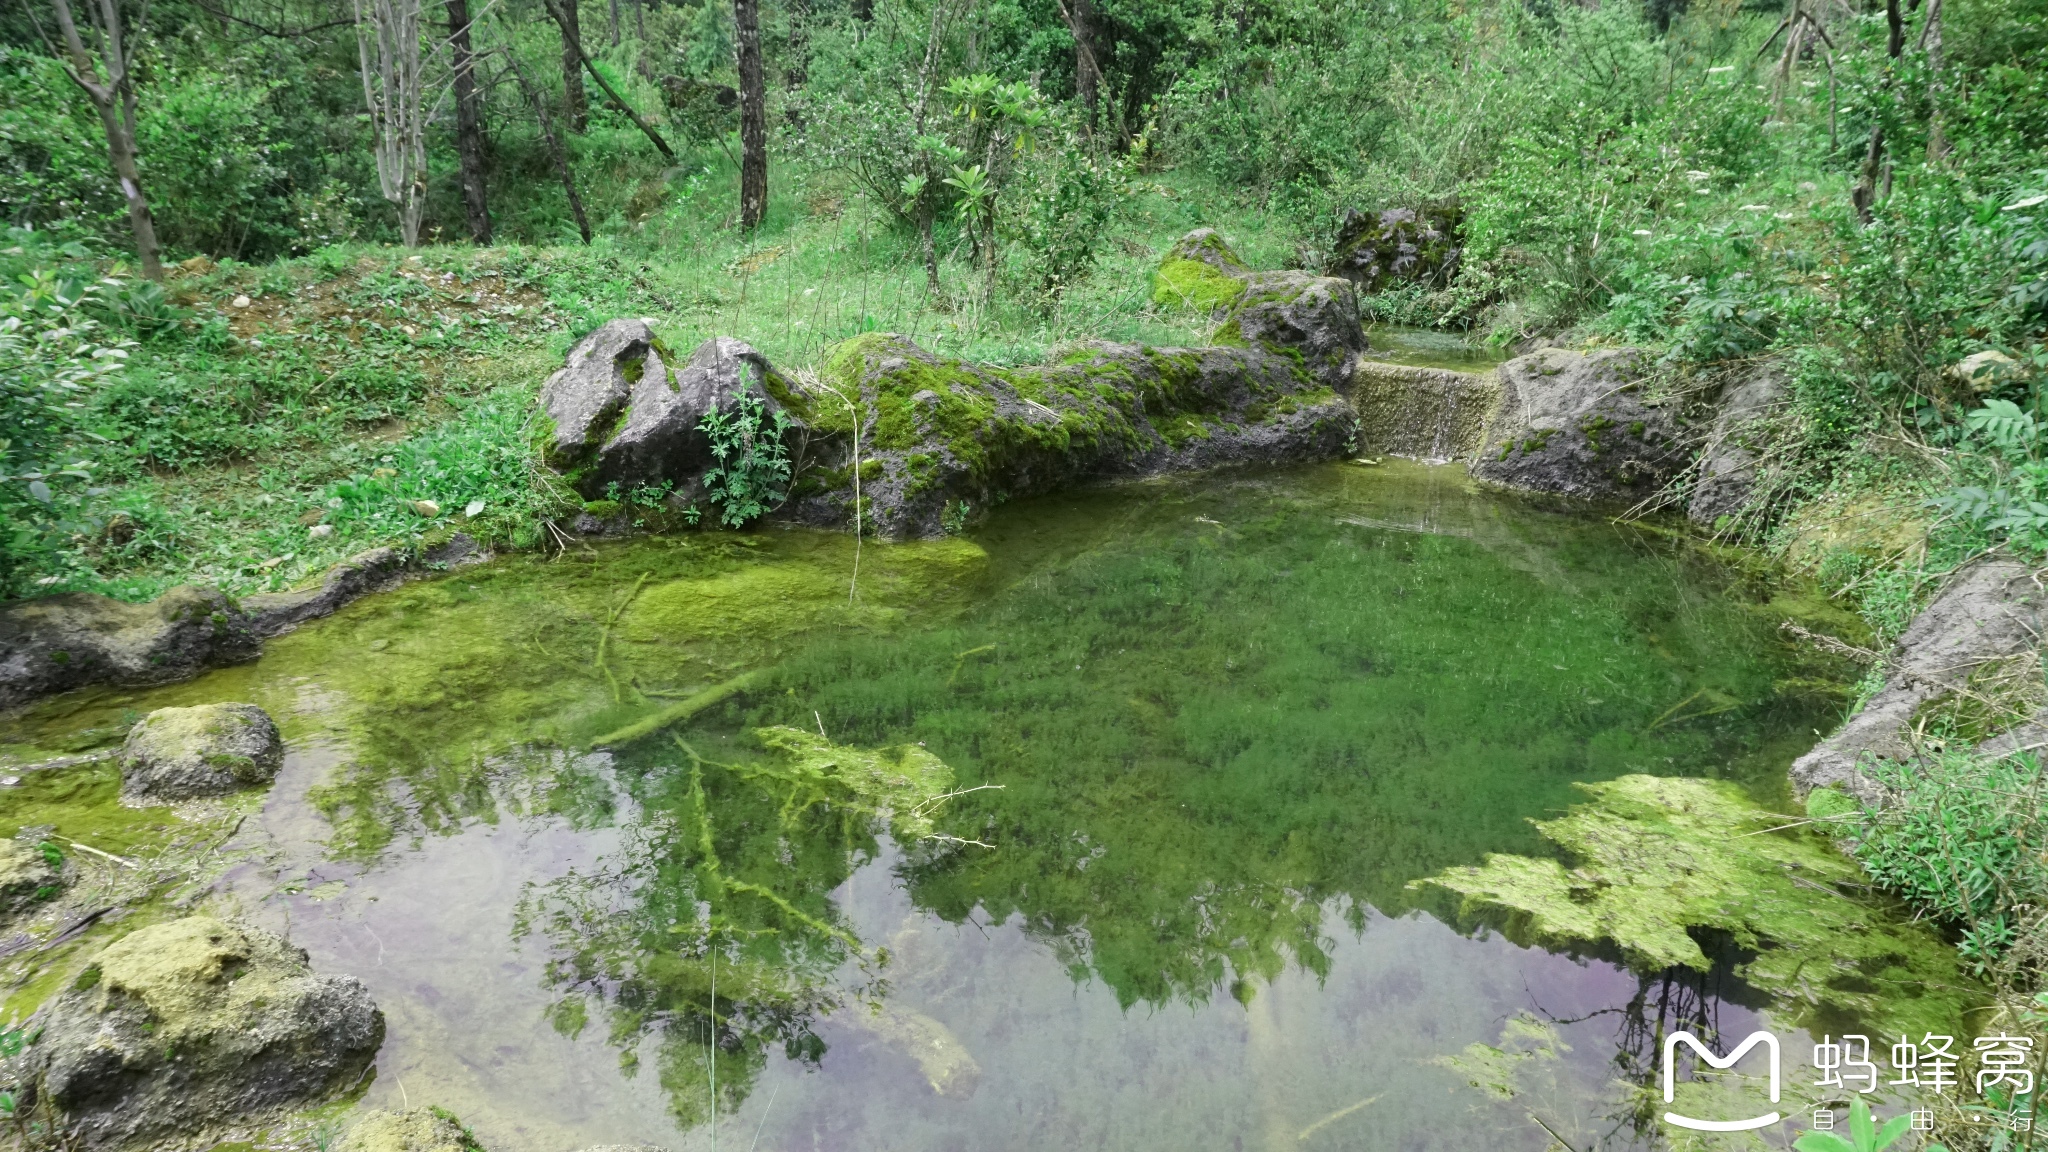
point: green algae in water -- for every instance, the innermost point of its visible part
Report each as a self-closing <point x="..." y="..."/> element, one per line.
<point x="1650" y="861"/>
<point x="1231" y="716"/>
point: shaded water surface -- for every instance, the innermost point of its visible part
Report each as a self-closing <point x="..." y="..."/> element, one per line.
<point x="1225" y="722"/>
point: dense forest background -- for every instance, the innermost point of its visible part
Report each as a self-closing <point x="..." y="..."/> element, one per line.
<point x="1854" y="191"/>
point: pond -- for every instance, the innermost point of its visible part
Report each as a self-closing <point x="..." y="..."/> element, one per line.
<point x="1093" y="827"/>
<point x="1430" y="348"/>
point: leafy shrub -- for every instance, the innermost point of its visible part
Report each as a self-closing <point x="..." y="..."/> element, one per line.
<point x="2011" y="505"/>
<point x="1961" y="838"/>
<point x="752" y="475"/>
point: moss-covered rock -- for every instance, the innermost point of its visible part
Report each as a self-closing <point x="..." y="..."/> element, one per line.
<point x="205" y="750"/>
<point x="1381" y="249"/>
<point x="29" y="874"/>
<point x="1311" y="320"/>
<point x="185" y="1025"/>
<point x="1650" y="862"/>
<point x="418" y="1130"/>
<point x="941" y="439"/>
<point x="56" y="643"/>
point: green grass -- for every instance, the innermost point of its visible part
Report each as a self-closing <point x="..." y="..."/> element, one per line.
<point x="361" y="379"/>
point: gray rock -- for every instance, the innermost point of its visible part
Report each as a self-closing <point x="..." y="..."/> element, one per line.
<point x="57" y="643"/>
<point x="375" y="570"/>
<point x="624" y="412"/>
<point x="1576" y="424"/>
<point x="26" y="876"/>
<point x="943" y="433"/>
<point x="2030" y="736"/>
<point x="1393" y="246"/>
<point x="1298" y="314"/>
<point x="205" y="750"/>
<point x="183" y="1026"/>
<point x="1991" y="610"/>
<point x="417" y="1130"/>
<point x="1728" y="463"/>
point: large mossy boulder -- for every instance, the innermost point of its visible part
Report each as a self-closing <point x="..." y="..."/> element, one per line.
<point x="57" y="643"/>
<point x="1308" y="318"/>
<point x="204" y="750"/>
<point x="181" y="1027"/>
<point x="1578" y="424"/>
<point x="1389" y="247"/>
<point x="626" y="411"/>
<point x="943" y="439"/>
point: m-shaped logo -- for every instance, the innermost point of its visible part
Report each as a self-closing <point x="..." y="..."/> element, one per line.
<point x="1671" y="1043"/>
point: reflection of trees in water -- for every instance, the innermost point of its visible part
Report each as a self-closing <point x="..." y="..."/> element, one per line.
<point x="1676" y="999"/>
<point x="711" y="932"/>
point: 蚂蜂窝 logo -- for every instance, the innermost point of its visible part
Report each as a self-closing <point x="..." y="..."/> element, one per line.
<point x="1770" y="1044"/>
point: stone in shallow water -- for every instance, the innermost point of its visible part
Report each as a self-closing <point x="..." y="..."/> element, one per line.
<point x="197" y="1022"/>
<point x="56" y="643"/>
<point x="26" y="876"/>
<point x="206" y="750"/>
<point x="419" y="1130"/>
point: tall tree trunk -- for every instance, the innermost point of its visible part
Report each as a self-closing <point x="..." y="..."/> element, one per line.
<point x="1865" y="194"/>
<point x="469" y="123"/>
<point x="114" y="99"/>
<point x="578" y="105"/>
<point x="615" y="23"/>
<point x="1087" y="70"/>
<point x="554" y="146"/>
<point x="1930" y="39"/>
<point x="753" y="113"/>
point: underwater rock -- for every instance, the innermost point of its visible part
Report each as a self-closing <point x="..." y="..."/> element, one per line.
<point x="1991" y="610"/>
<point x="417" y="1130"/>
<point x="27" y="877"/>
<point x="205" y="750"/>
<point x="624" y="412"/>
<point x="1429" y="414"/>
<point x="1576" y="424"/>
<point x="1379" y="250"/>
<point x="947" y="1065"/>
<point x="1729" y="461"/>
<point x="196" y="1022"/>
<point x="57" y="643"/>
<point x="943" y="439"/>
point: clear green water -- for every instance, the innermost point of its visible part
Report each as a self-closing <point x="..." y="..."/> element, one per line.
<point x="1427" y="348"/>
<point x="1231" y="719"/>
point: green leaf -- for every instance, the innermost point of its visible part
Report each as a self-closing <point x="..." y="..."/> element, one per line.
<point x="1890" y="1133"/>
<point x="1822" y="1142"/>
<point x="1862" y="1129"/>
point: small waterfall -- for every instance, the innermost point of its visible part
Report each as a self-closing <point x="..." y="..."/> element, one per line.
<point x="1430" y="414"/>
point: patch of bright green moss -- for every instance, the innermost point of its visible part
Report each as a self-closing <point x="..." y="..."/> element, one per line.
<point x="1195" y="284"/>
<point x="1653" y="859"/>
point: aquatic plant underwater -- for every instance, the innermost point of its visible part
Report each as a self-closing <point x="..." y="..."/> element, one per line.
<point x="1195" y="740"/>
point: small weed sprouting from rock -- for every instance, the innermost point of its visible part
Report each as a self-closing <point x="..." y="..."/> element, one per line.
<point x="752" y="475"/>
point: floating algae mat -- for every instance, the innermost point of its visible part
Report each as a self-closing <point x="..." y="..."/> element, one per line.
<point x="1101" y="825"/>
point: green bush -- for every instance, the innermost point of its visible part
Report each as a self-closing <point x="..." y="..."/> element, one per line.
<point x="1961" y="838"/>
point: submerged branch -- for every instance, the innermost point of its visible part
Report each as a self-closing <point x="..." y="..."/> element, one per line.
<point x="681" y="710"/>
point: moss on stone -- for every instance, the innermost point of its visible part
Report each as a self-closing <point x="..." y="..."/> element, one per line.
<point x="419" y="1130"/>
<point x="1652" y="860"/>
<point x="1195" y="284"/>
